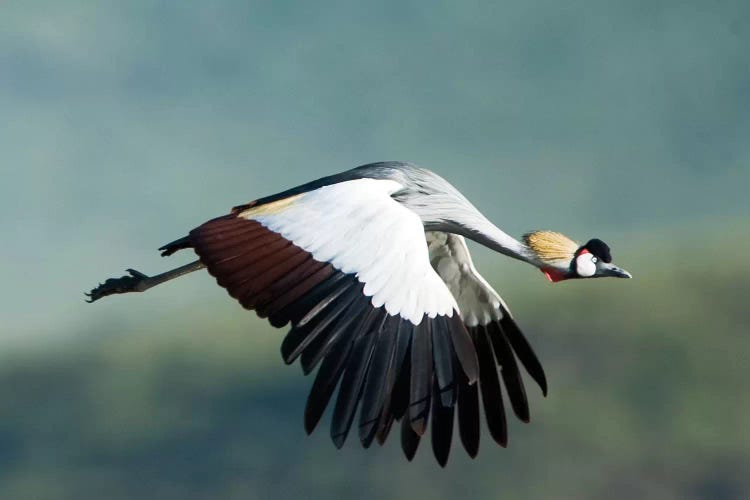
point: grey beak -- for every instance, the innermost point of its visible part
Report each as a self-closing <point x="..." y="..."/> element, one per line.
<point x="614" y="271"/>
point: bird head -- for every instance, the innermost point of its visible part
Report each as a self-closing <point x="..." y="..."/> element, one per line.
<point x="560" y="258"/>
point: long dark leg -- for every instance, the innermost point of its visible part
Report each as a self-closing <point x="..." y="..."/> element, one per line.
<point x="139" y="282"/>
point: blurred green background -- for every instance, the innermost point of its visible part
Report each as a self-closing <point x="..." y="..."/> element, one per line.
<point x="124" y="124"/>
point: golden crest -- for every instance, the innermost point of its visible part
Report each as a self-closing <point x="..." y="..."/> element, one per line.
<point x="550" y="246"/>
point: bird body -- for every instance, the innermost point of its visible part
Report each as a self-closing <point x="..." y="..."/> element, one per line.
<point x="371" y="269"/>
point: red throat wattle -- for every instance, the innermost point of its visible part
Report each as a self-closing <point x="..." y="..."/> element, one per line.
<point x="553" y="274"/>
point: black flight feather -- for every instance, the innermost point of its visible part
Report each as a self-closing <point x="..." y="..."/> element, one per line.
<point x="296" y="310"/>
<point x="468" y="415"/>
<point x="421" y="376"/>
<point x="489" y="385"/>
<point x="376" y="385"/>
<point x="524" y="351"/>
<point x="354" y="375"/>
<point x="409" y="439"/>
<point x="301" y="336"/>
<point x="444" y="357"/>
<point x="509" y="371"/>
<point x="397" y="389"/>
<point x="325" y="383"/>
<point x="319" y="347"/>
<point x="442" y="428"/>
<point x="402" y="386"/>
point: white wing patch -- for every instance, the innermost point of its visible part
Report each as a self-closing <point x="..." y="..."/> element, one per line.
<point x="478" y="302"/>
<point x="358" y="228"/>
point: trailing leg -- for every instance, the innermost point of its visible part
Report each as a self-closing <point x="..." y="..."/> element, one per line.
<point x="139" y="282"/>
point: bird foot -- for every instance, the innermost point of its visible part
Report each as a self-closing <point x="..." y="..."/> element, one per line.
<point x="135" y="282"/>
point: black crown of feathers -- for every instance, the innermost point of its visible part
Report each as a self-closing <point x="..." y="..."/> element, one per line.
<point x="599" y="249"/>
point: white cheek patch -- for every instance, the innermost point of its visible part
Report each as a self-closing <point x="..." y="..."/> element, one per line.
<point x="585" y="265"/>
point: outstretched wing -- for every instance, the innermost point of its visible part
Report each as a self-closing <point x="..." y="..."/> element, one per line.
<point x="497" y="340"/>
<point x="349" y="268"/>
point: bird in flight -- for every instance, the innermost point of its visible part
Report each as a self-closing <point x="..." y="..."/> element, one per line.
<point x="371" y="270"/>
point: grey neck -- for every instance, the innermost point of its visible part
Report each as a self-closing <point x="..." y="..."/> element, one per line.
<point x="485" y="233"/>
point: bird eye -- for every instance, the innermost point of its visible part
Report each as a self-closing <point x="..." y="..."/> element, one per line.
<point x="594" y="260"/>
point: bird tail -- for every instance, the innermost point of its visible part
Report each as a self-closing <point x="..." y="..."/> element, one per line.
<point x="180" y="244"/>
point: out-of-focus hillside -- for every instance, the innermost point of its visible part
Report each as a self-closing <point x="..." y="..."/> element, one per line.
<point x="647" y="398"/>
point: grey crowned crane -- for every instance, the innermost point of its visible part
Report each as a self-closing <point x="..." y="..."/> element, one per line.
<point x="371" y="270"/>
